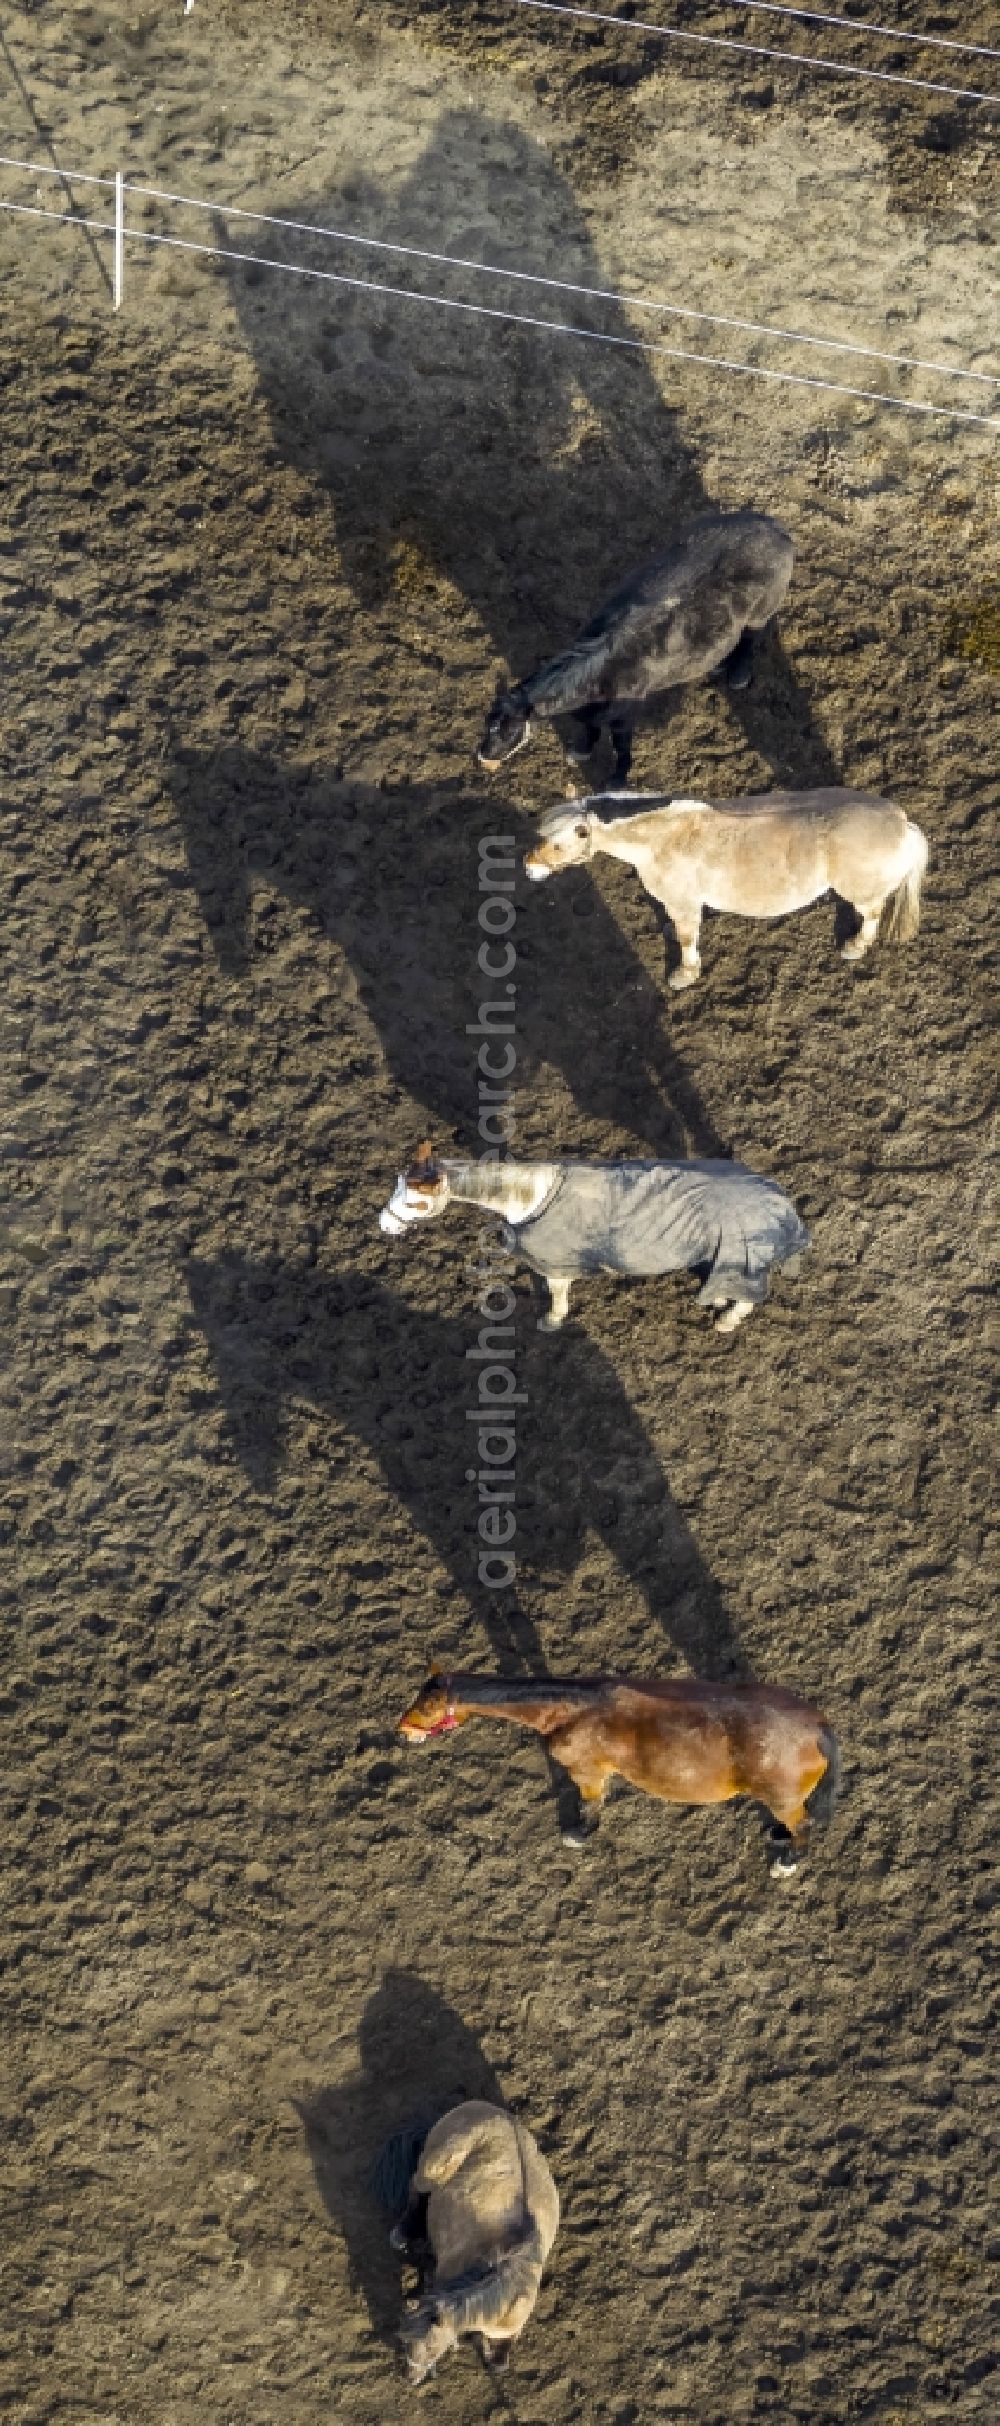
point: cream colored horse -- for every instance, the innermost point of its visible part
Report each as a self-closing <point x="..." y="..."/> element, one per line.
<point x="492" y="2216"/>
<point x="760" y="857"/>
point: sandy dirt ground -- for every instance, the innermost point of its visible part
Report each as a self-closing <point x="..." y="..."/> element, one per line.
<point x="265" y="545"/>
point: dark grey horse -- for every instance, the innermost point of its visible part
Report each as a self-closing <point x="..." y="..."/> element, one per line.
<point x="693" y="609"/>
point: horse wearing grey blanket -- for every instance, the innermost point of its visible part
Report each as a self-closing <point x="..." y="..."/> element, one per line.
<point x="568" y="1220"/>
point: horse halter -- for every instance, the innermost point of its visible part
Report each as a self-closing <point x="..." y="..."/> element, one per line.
<point x="444" y="1725"/>
<point x="400" y="1211"/>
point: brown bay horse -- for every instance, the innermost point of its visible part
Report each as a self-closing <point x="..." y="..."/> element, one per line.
<point x="681" y="1739"/>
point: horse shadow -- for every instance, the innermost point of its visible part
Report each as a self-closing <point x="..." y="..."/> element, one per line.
<point x="417" y="2058"/>
<point x="532" y="471"/>
<point x="390" y="876"/>
<point x="399" y="1380"/>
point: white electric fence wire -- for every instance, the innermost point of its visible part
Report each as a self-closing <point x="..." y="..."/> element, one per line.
<point x="863" y="25"/>
<point x="754" y="50"/>
<point x="45" y="168"/>
<point x="564" y="286"/>
<point x="33" y="210"/>
<point x="119" y="272"/>
<point x="484" y="311"/>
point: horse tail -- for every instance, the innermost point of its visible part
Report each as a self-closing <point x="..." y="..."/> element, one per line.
<point x="397" y="2163"/>
<point x="901" y="915"/>
<point x="820" y="1803"/>
<point x="485" y="2296"/>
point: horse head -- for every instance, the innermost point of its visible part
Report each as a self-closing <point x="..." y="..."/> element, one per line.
<point x="425" y="2336"/>
<point x="433" y="1712"/>
<point x="565" y="838"/>
<point x="421" y="1191"/>
<point x="507" y="728"/>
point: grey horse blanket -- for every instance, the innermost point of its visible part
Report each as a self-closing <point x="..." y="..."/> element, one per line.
<point x="646" y="1217"/>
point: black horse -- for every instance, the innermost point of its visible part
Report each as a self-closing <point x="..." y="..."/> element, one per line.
<point x="696" y="608"/>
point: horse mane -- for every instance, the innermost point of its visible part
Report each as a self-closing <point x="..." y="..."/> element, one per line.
<point x="484" y="1690"/>
<point x="627" y="807"/>
<point x="484" y="2294"/>
<point x="567" y="680"/>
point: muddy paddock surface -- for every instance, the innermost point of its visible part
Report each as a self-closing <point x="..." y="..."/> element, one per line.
<point x="265" y="545"/>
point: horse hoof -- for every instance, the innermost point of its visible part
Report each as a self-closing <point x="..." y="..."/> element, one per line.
<point x="679" y="979"/>
<point x="783" y="1864"/>
<point x="853" y="949"/>
<point x="551" y="1322"/>
<point x="577" y="1838"/>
